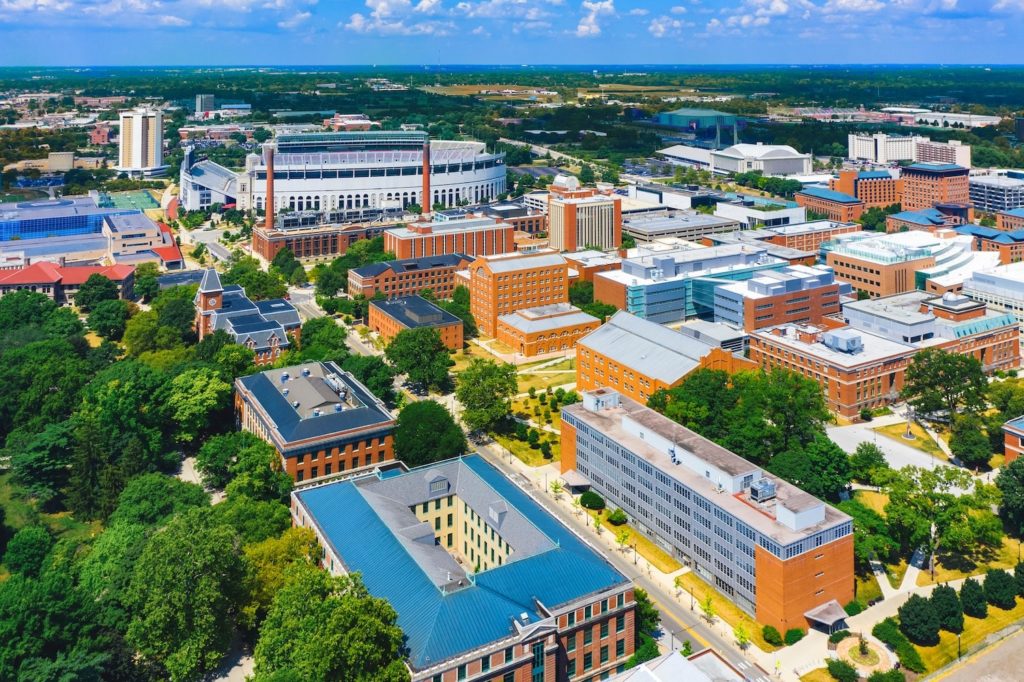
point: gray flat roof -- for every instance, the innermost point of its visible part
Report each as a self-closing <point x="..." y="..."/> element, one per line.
<point x="415" y="311"/>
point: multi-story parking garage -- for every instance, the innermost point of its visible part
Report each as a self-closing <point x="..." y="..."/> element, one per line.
<point x="361" y="170"/>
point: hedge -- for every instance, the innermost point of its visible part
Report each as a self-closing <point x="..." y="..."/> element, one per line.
<point x="854" y="607"/>
<point x="838" y="636"/>
<point x="889" y="633"/>
<point x="617" y="517"/>
<point x="591" y="500"/>
<point x="841" y="671"/>
<point x="771" y="635"/>
<point x="793" y="636"/>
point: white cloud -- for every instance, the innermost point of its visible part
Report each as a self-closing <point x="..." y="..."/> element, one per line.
<point x="638" y="12"/>
<point x="589" y="25"/>
<point x="392" y="17"/>
<point x="170" y="20"/>
<point x="294" y="21"/>
<point x="853" y="6"/>
<point x="663" y="26"/>
<point x="678" y="9"/>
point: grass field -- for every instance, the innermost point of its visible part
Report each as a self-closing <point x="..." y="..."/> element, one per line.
<point x="526" y="405"/>
<point x="923" y="442"/>
<point x="521" y="92"/>
<point x="953" y="568"/>
<point x="658" y="557"/>
<point x="724" y="609"/>
<point x="20" y="512"/>
<point x="896" y="573"/>
<point x="542" y="381"/>
<point x="872" y="500"/>
<point x="975" y="632"/>
<point x="528" y="455"/>
<point x="819" y="675"/>
<point x="868" y="588"/>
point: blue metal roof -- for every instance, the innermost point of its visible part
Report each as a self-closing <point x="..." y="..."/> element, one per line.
<point x="939" y="167"/>
<point x="991" y="233"/>
<point x="439" y="626"/>
<point x="1017" y="424"/>
<point x="925" y="216"/>
<point x="874" y="175"/>
<point x="1015" y="212"/>
<point x="829" y="195"/>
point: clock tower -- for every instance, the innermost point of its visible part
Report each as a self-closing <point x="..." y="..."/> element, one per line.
<point x="208" y="301"/>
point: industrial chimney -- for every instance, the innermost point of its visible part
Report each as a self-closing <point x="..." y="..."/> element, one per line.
<point x="268" y="159"/>
<point x="427" y="203"/>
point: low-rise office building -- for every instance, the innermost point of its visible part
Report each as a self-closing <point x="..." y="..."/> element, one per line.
<point x="638" y="357"/>
<point x="1011" y="220"/>
<point x="770" y="159"/>
<point x="775" y="551"/>
<point x="471" y="236"/>
<point x="318" y="417"/>
<point x="1008" y="244"/>
<point x="61" y="283"/>
<point x="1000" y="288"/>
<point x="681" y="225"/>
<point x="309" y="237"/>
<point x="798" y="294"/>
<point x="754" y="212"/>
<point x="552" y="328"/>
<point x="390" y="316"/>
<point x="521" y="217"/>
<point x="1013" y="440"/>
<point x="486" y="584"/>
<point x="874" y="188"/>
<point x="808" y="236"/>
<point x="590" y="262"/>
<point x="834" y="205"/>
<point x="408" y="277"/>
<point x="501" y="285"/>
<point x="671" y="286"/>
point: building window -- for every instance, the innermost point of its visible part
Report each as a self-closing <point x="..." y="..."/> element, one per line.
<point x="588" y="661"/>
<point x="509" y="654"/>
<point x="604" y="655"/>
<point x="570" y="644"/>
<point x="570" y="668"/>
<point x="485" y="663"/>
<point x="620" y="622"/>
<point x="620" y="648"/>
<point x="462" y="672"/>
<point x="588" y="636"/>
<point x="604" y="629"/>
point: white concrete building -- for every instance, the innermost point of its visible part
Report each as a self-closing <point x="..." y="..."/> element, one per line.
<point x="770" y="159"/>
<point x="141" y="141"/>
<point x="1001" y="287"/>
<point x="881" y="148"/>
<point x="752" y="212"/>
<point x="996" y="192"/>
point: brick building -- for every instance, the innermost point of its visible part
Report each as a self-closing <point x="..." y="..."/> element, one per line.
<point x="62" y="282"/>
<point x="318" y="417"/>
<point x="808" y="236"/>
<point x="553" y="328"/>
<point x="1009" y="245"/>
<point x="500" y="285"/>
<point x="927" y="184"/>
<point x="589" y="262"/>
<point x="833" y="205"/>
<point x="436" y="544"/>
<point x="581" y="217"/>
<point x="778" y="553"/>
<point x="638" y="357"/>
<point x="390" y="316"/>
<point x="874" y="188"/>
<point x="799" y="294"/>
<point x="408" y="277"/>
<point x="471" y="236"/>
<point x="316" y="241"/>
<point x="1013" y="439"/>
<point x="1011" y="220"/>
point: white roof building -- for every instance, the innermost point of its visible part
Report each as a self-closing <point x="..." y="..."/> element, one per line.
<point x="770" y="159"/>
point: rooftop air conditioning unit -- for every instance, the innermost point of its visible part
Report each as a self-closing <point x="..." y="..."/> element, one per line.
<point x="762" y="490"/>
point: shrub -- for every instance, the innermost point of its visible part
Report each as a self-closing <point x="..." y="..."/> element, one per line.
<point x="838" y="636"/>
<point x="591" y="500"/>
<point x="887" y="676"/>
<point x="771" y="635"/>
<point x="647" y="651"/>
<point x="533" y="392"/>
<point x="1000" y="588"/>
<point x="919" y="621"/>
<point x="853" y="608"/>
<point x="545" y="449"/>
<point x="793" y="635"/>
<point x="865" y="415"/>
<point x="1018" y="575"/>
<point x="888" y="632"/>
<point x="542" y="399"/>
<point x="617" y="517"/>
<point x="841" y="670"/>
<point x="972" y="598"/>
<point x="947" y="607"/>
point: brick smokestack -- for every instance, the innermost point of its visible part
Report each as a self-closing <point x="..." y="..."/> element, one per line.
<point x="268" y="159"/>
<point x="427" y="203"/>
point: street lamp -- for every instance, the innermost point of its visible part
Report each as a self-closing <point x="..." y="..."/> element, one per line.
<point x="634" y="554"/>
<point x="958" y="646"/>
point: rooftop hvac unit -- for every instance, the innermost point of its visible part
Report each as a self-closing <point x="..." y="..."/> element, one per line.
<point x="316" y="412"/>
<point x="762" y="490"/>
<point x="305" y="371"/>
<point x="338" y="407"/>
<point x="284" y="377"/>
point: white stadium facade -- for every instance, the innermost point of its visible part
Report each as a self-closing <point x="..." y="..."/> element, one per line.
<point x="365" y="171"/>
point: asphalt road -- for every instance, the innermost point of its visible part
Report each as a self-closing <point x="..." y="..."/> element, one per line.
<point x="678" y="622"/>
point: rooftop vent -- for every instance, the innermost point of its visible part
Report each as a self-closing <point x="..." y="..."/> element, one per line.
<point x="316" y="412"/>
<point x="305" y="371"/>
<point x="762" y="490"/>
<point x="285" y="391"/>
<point x="338" y="407"/>
<point x="295" y="404"/>
<point x="524" y="618"/>
<point x="284" y="377"/>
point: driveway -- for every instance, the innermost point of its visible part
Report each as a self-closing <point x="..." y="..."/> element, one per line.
<point x="897" y="454"/>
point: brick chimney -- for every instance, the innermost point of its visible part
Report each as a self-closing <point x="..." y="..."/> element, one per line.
<point x="427" y="203"/>
<point x="268" y="158"/>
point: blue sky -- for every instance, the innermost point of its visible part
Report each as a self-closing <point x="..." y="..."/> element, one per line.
<point x="142" y="32"/>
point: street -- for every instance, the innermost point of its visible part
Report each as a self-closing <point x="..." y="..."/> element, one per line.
<point x="678" y="622"/>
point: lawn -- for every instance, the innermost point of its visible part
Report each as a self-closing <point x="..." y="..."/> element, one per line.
<point x="896" y="573"/>
<point x="526" y="405"/>
<point x="975" y="632"/>
<point x="1004" y="557"/>
<point x="922" y="442"/>
<point x="819" y="675"/>
<point x="528" y="455"/>
<point x="724" y="608"/>
<point x="542" y="381"/>
<point x="867" y="588"/>
<point x="872" y="500"/>
<point x="20" y="512"/>
<point x="658" y="557"/>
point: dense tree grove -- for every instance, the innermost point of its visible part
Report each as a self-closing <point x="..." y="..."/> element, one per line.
<point x="118" y="569"/>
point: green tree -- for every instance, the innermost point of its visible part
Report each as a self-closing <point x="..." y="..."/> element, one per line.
<point x="581" y="293"/>
<point x="186" y="586"/>
<point x="919" y="621"/>
<point x="969" y="443"/>
<point x="871" y="534"/>
<point x="1000" y="588"/>
<point x="176" y="313"/>
<point x="323" y="627"/>
<point x="866" y="462"/>
<point x="144" y="333"/>
<point x="106" y="571"/>
<point x="27" y="551"/>
<point x="109" y="318"/>
<point x="218" y="455"/>
<point x="841" y="671"/>
<point x="647" y="617"/>
<point x="821" y="468"/>
<point x="25" y="308"/>
<point x="253" y="520"/>
<point x="421" y="355"/>
<point x="586" y="174"/>
<point x="153" y="499"/>
<point x="94" y="290"/>
<point x="972" y="597"/>
<point x="373" y="373"/>
<point x="425" y="433"/>
<point x="258" y="284"/>
<point x="324" y="339"/>
<point x="257" y="474"/>
<point x="485" y="389"/>
<point x="40" y="462"/>
<point x="194" y="398"/>
<point x="146" y="283"/>
<point x="946" y="604"/>
<point x="707" y="607"/>
<point x="268" y="560"/>
<point x="937" y="380"/>
<point x="1010" y="482"/>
